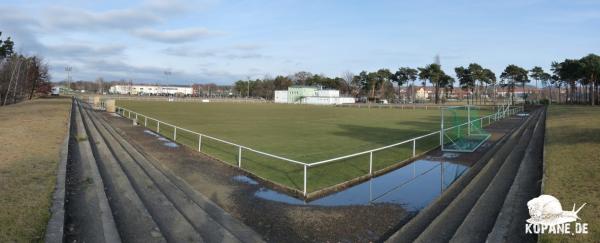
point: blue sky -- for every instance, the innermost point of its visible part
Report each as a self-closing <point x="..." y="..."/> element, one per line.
<point x="222" y="41"/>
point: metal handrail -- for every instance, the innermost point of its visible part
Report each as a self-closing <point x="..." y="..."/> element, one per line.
<point x="213" y="138"/>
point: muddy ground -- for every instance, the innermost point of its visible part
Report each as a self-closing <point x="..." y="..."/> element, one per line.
<point x="282" y="222"/>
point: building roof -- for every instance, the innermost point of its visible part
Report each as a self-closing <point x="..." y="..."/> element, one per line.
<point x="303" y="86"/>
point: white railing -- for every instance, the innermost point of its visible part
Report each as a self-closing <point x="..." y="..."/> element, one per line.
<point x="493" y="117"/>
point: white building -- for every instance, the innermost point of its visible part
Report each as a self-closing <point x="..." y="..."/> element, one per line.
<point x="328" y="93"/>
<point x="311" y="95"/>
<point x="317" y="100"/>
<point x="281" y="96"/>
<point x="150" y="90"/>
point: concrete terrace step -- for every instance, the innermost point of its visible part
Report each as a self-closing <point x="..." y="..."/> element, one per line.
<point x="150" y="204"/>
<point x="202" y="222"/>
<point x="480" y="220"/>
<point x="221" y="223"/>
<point x="438" y="221"/>
<point x="133" y="219"/>
<point x="89" y="200"/>
<point x="509" y="223"/>
<point x="172" y="224"/>
<point x="444" y="226"/>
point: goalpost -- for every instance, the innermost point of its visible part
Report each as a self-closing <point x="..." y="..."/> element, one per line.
<point x="461" y="129"/>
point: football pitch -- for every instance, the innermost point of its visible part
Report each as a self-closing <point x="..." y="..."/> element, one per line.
<point x="300" y="132"/>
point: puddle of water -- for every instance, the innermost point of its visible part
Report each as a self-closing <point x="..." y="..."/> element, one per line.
<point x="171" y="144"/>
<point x="151" y="133"/>
<point x="165" y="141"/>
<point x="244" y="179"/>
<point x="450" y="155"/>
<point x="413" y="186"/>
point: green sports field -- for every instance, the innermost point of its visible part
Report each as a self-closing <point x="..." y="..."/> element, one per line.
<point x="299" y="132"/>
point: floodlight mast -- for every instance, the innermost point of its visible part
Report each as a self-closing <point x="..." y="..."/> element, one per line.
<point x="168" y="73"/>
<point x="68" y="69"/>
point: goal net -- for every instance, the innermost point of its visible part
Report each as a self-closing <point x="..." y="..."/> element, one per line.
<point x="462" y="129"/>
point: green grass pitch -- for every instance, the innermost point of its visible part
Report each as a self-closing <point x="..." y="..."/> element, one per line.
<point x="300" y="132"/>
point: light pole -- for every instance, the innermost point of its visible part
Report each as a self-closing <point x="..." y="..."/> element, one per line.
<point x="168" y="73"/>
<point x="248" y="95"/>
<point x="68" y="69"/>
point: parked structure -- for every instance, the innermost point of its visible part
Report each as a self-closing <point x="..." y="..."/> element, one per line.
<point x="311" y="95"/>
<point x="150" y="90"/>
<point x="55" y="91"/>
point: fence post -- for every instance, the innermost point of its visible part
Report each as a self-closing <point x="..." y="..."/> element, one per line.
<point x="157" y="126"/>
<point x="414" y="147"/>
<point x="305" y="172"/>
<point x="469" y="120"/>
<point x="200" y="142"/>
<point x="240" y="156"/>
<point x="145" y="121"/>
<point x="136" y="117"/>
<point x="174" y="133"/>
<point x="441" y="133"/>
<point x="371" y="163"/>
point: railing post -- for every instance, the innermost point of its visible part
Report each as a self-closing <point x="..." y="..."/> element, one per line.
<point x="174" y="133"/>
<point x="157" y="126"/>
<point x="240" y="156"/>
<point x="145" y="121"/>
<point x="200" y="142"/>
<point x="441" y="133"/>
<point x="305" y="172"/>
<point x="469" y="120"/>
<point x="371" y="163"/>
<point x="414" y="147"/>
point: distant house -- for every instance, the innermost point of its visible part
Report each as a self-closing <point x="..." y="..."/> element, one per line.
<point x="519" y="91"/>
<point x="423" y="93"/>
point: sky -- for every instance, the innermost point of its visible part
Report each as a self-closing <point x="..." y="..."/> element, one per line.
<point x="221" y="41"/>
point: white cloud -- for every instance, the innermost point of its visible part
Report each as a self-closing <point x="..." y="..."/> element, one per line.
<point x="241" y="51"/>
<point x="247" y="47"/>
<point x="174" y="36"/>
<point x="69" y="19"/>
<point x="186" y="51"/>
<point x="66" y="50"/>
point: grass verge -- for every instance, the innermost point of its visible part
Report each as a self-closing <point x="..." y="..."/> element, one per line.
<point x="31" y="135"/>
<point x="572" y="172"/>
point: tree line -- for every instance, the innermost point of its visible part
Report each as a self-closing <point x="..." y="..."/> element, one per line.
<point x="21" y="76"/>
<point x="578" y="77"/>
